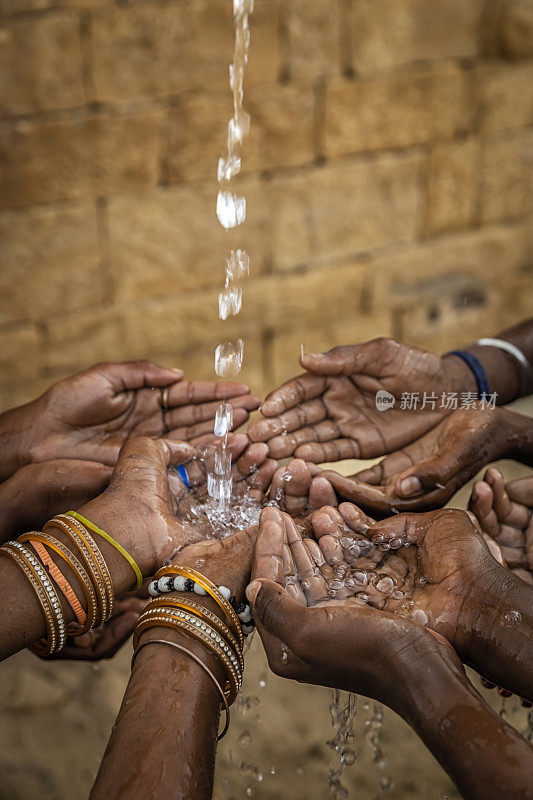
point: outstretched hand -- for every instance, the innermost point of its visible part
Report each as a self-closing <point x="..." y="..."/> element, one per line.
<point x="315" y="634"/>
<point x="90" y="415"/>
<point x="329" y="413"/>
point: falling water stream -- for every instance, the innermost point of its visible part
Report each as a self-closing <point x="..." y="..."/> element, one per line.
<point x="231" y="213"/>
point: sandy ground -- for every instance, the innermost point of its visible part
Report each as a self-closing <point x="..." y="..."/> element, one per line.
<point x="55" y="719"/>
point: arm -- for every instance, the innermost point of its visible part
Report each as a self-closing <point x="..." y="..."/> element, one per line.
<point x="167" y="726"/>
<point x="349" y="645"/>
<point x="476" y="747"/>
<point x="505" y="374"/>
<point x="178" y="702"/>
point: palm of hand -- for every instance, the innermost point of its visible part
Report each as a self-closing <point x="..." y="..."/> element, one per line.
<point x="423" y="567"/>
<point x="333" y="415"/>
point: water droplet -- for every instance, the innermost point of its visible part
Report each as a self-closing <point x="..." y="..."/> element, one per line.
<point x="200" y="562"/>
<point x="513" y="617"/>
<point x="245" y="739"/>
<point x="231" y="209"/>
<point x="237" y="265"/>
<point x="228" y="358"/>
<point x="348" y="756"/>
<point x="223" y="421"/>
<point x="229" y="301"/>
<point x="228" y="167"/>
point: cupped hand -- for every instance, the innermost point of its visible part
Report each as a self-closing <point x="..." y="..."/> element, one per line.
<point x="426" y="473"/>
<point x="329" y="413"/>
<point x="437" y="570"/>
<point x="338" y="641"/>
<point x="90" y="415"/>
<point x="504" y="511"/>
<point x="37" y="492"/>
<point x="138" y="509"/>
<point x="252" y="472"/>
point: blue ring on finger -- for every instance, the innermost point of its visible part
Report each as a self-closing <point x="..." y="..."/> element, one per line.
<point x="182" y="472"/>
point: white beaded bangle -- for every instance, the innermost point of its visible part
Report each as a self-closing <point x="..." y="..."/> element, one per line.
<point x="49" y="590"/>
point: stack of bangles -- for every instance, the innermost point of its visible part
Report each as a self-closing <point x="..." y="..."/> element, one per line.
<point x="52" y="589"/>
<point x="224" y="639"/>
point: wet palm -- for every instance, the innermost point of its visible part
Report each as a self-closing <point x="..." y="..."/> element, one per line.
<point x="90" y="415"/>
<point x="330" y="412"/>
<point x="314" y="636"/>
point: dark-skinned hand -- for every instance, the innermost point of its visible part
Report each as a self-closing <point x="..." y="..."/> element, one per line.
<point x="332" y="641"/>
<point x="436" y="569"/>
<point x="37" y="492"/>
<point x="90" y="415"/>
<point x="329" y="413"/>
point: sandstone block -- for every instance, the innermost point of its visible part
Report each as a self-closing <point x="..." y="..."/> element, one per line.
<point x="453" y="185"/>
<point x="78" y="340"/>
<point x="505" y="96"/>
<point x="388" y="33"/>
<point x="345" y="208"/>
<point x="457" y="264"/>
<point x="20" y="355"/>
<point x="516" y="28"/>
<point x="314" y="39"/>
<point x="49" y="262"/>
<point x="507" y="176"/>
<point x="49" y="75"/>
<point x="82" y="156"/>
<point x="160" y="49"/>
<point x="397" y="110"/>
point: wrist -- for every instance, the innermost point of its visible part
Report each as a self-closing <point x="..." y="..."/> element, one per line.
<point x="502" y="372"/>
<point x="519" y="430"/>
<point x="18" y="438"/>
<point x="458" y="376"/>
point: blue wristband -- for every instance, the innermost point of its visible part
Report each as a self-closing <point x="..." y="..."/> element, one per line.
<point x="182" y="472"/>
<point x="482" y="382"/>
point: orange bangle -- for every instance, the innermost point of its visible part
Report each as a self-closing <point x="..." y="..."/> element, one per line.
<point x="61" y="581"/>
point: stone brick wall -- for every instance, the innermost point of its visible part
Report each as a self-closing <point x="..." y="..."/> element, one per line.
<point x="386" y="175"/>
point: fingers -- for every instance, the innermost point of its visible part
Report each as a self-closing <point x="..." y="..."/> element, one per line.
<point x="508" y="512"/>
<point x="192" y="413"/>
<point x="274" y="610"/>
<point x="194" y="392"/>
<point x="321" y="493"/>
<point x="295" y="391"/>
<point x="351" y="359"/>
<point x="521" y="491"/>
<point x="128" y="375"/>
<point x="296" y="419"/>
<point x="481" y="505"/>
<point x="336" y="450"/>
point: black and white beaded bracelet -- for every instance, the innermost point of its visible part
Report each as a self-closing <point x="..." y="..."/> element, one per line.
<point x="169" y="583"/>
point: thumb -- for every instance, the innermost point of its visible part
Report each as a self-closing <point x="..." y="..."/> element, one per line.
<point x="274" y="610"/>
<point x="432" y="473"/>
<point x="365" y="358"/>
<point x="144" y="460"/>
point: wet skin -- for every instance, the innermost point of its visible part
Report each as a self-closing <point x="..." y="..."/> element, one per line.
<point x="173" y="746"/>
<point x="504" y="512"/>
<point x="329" y="413"/>
<point x="426" y="473"/>
<point x="89" y="415"/>
<point x="345" y="644"/>
<point x="448" y="579"/>
<point x="139" y="510"/>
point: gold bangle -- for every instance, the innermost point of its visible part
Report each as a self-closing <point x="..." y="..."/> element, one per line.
<point x="190" y="618"/>
<point x="233" y="682"/>
<point x="79" y="571"/>
<point x="203" y="613"/>
<point x="49" y="644"/>
<point x="212" y="590"/>
<point x="102" y="566"/>
<point x="200" y="664"/>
